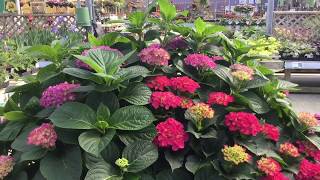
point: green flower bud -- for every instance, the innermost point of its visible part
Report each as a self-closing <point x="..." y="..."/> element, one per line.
<point x="123" y="163"/>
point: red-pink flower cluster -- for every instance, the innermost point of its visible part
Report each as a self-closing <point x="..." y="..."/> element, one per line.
<point x="6" y="165"/>
<point x="271" y="132"/>
<point x="184" y="84"/>
<point x="165" y="100"/>
<point x="171" y="133"/>
<point x="309" y="149"/>
<point x="44" y="136"/>
<point x="220" y="98"/>
<point x="277" y="176"/>
<point x="269" y="166"/>
<point x="186" y="103"/>
<point x="289" y="149"/>
<point x="200" y="61"/>
<point x="55" y="96"/>
<point x="159" y="83"/>
<point x="308" y="171"/>
<point x="155" y="55"/>
<point x="83" y="65"/>
<point x="245" y="123"/>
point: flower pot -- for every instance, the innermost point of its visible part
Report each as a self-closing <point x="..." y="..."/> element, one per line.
<point x="83" y="17"/>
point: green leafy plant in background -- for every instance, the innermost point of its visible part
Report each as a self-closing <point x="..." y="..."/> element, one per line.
<point x="161" y="116"/>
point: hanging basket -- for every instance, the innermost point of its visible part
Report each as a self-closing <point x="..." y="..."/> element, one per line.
<point x="82" y="16"/>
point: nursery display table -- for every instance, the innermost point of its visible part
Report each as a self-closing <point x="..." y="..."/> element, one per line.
<point x="300" y="66"/>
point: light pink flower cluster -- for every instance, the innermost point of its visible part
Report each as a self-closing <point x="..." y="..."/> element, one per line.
<point x="269" y="166"/>
<point x="155" y="55"/>
<point x="309" y="149"/>
<point x="6" y="165"/>
<point x="271" y="132"/>
<point x="184" y="84"/>
<point x="83" y="65"/>
<point x="44" y="136"/>
<point x="159" y="83"/>
<point x="165" y="100"/>
<point x="220" y="98"/>
<point x="171" y="133"/>
<point x="308" y="119"/>
<point x="200" y="61"/>
<point x="308" y="171"/>
<point x="289" y="149"/>
<point x="55" y="96"/>
<point x="242" y="72"/>
<point x="245" y="123"/>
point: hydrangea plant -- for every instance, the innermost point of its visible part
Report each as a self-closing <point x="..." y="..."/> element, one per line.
<point x="152" y="106"/>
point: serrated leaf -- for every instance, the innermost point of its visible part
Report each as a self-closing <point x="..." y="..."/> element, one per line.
<point x="131" y="118"/>
<point x="103" y="171"/>
<point x="15" y="116"/>
<point x="256" y="103"/>
<point x="175" y="160"/>
<point x="145" y="134"/>
<point x="94" y="142"/>
<point x="11" y="130"/>
<point x="140" y="155"/>
<point x="66" y="165"/>
<point x="137" y="94"/>
<point x="74" y="115"/>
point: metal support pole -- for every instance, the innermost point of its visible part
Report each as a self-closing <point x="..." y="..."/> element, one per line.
<point x="270" y="16"/>
<point x="18" y="6"/>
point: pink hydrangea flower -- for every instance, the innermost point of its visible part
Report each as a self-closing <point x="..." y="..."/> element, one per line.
<point x="271" y="132"/>
<point x="6" y="165"/>
<point x="83" y="65"/>
<point x="242" y="72"/>
<point x="171" y="133"/>
<point x="308" y="171"/>
<point x="56" y="95"/>
<point x="155" y="55"/>
<point x="159" y="83"/>
<point x="289" y="149"/>
<point x="269" y="166"/>
<point x="277" y="176"/>
<point x="220" y="98"/>
<point x="245" y="123"/>
<point x="308" y="149"/>
<point x="186" y="103"/>
<point x="184" y="84"/>
<point x="200" y="61"/>
<point x="44" y="136"/>
<point x="165" y="100"/>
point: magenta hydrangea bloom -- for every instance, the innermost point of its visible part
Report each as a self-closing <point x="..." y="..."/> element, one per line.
<point x="55" y="96"/>
<point x="155" y="55"/>
<point x="83" y="65"/>
<point x="200" y="61"/>
<point x="171" y="133"/>
<point x="6" y="165"/>
<point x="44" y="136"/>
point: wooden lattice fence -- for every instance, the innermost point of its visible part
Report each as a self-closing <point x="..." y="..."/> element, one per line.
<point x="299" y="21"/>
<point x="11" y="25"/>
